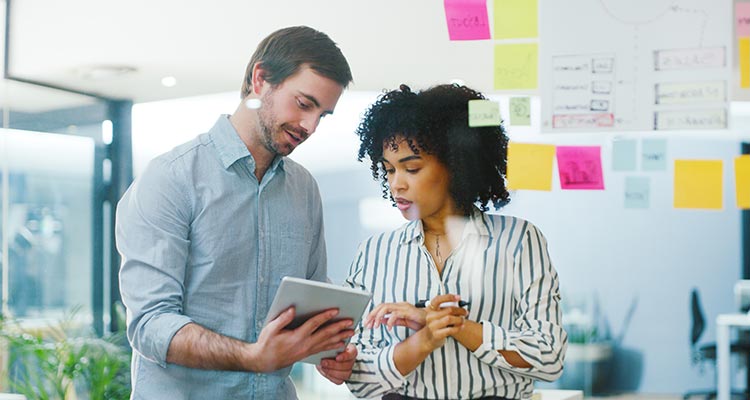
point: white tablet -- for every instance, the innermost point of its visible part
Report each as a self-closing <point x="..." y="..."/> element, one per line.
<point x="312" y="297"/>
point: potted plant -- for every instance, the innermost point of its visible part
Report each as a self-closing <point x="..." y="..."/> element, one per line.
<point x="62" y="362"/>
<point x="588" y="360"/>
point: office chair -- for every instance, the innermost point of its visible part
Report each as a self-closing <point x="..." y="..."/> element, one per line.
<point x="708" y="351"/>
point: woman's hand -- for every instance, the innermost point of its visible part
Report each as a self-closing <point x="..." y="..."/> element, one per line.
<point x="396" y="314"/>
<point x="441" y="321"/>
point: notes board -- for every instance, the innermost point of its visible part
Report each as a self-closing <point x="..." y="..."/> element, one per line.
<point x="613" y="65"/>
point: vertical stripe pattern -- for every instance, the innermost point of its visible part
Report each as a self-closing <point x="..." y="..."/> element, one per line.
<point x="503" y="268"/>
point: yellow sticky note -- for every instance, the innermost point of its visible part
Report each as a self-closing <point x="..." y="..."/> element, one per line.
<point x="516" y="66"/>
<point x="743" y="48"/>
<point x="484" y="113"/>
<point x="698" y="184"/>
<point x="516" y="19"/>
<point x="742" y="181"/>
<point x="530" y="166"/>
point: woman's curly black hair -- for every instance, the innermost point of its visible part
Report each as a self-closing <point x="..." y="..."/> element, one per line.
<point x="436" y="121"/>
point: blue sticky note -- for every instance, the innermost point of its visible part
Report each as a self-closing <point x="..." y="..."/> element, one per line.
<point x="637" y="191"/>
<point x="623" y="155"/>
<point x="654" y="154"/>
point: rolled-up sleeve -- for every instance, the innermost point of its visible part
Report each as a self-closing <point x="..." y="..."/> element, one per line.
<point x="374" y="373"/>
<point x="539" y="338"/>
<point x="152" y="237"/>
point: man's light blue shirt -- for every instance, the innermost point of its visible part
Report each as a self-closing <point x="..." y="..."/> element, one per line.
<point x="203" y="241"/>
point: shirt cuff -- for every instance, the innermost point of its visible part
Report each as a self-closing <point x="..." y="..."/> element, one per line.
<point x="387" y="365"/>
<point x="495" y="338"/>
<point x="163" y="328"/>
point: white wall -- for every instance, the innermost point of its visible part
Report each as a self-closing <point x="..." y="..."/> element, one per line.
<point x="655" y="255"/>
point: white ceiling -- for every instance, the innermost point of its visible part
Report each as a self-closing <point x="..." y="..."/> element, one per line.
<point x="206" y="45"/>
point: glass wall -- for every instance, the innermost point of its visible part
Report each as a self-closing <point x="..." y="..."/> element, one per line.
<point x="48" y="147"/>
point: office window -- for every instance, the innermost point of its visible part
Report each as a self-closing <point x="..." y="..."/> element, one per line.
<point x="47" y="225"/>
<point x="48" y="143"/>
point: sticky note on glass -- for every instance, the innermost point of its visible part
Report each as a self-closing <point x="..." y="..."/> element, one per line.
<point x="516" y="66"/>
<point x="742" y="15"/>
<point x="743" y="52"/>
<point x="467" y="19"/>
<point x="484" y="113"/>
<point x="580" y="167"/>
<point x="637" y="191"/>
<point x="520" y="111"/>
<point x="654" y="154"/>
<point x="515" y="19"/>
<point x="698" y="184"/>
<point x="623" y="155"/>
<point x="530" y="166"/>
<point x="742" y="181"/>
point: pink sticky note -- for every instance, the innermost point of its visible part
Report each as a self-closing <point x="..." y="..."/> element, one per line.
<point x="580" y="167"/>
<point x="467" y="19"/>
<point x="742" y="14"/>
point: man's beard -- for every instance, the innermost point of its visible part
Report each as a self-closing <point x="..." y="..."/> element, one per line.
<point x="266" y="122"/>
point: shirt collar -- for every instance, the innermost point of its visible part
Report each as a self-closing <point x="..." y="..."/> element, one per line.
<point x="478" y="224"/>
<point x="231" y="148"/>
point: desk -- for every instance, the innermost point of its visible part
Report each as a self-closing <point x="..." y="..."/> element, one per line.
<point x="723" y="367"/>
<point x="558" y="394"/>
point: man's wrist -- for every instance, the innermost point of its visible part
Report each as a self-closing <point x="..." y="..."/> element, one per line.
<point x="250" y="357"/>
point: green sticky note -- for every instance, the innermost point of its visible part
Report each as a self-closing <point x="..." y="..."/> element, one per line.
<point x="623" y="155"/>
<point x="515" y="19"/>
<point x="520" y="111"/>
<point x="516" y="66"/>
<point x="484" y="113"/>
<point x="637" y="191"/>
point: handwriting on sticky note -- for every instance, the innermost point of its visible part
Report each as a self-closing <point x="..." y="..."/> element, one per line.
<point x="654" y="154"/>
<point x="484" y="113"/>
<point x="580" y="167"/>
<point x="467" y="19"/>
<point x="637" y="190"/>
<point x="742" y="14"/>
<point x="516" y="66"/>
<point x="520" y="111"/>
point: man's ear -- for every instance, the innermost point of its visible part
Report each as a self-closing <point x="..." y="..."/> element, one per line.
<point x="258" y="78"/>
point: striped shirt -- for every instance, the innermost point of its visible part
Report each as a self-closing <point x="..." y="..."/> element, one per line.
<point x="502" y="267"/>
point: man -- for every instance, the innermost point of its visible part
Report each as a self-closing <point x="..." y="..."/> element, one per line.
<point x="209" y="228"/>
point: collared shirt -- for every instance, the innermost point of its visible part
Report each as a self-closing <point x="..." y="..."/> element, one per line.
<point x="501" y="265"/>
<point x="203" y="241"/>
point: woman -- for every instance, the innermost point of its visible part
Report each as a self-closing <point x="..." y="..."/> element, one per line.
<point x="441" y="174"/>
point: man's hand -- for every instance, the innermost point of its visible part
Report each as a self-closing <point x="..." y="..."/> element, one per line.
<point x="277" y="347"/>
<point x="339" y="369"/>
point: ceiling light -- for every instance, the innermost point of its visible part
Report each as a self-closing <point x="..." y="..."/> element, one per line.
<point x="101" y="72"/>
<point x="168" y="81"/>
